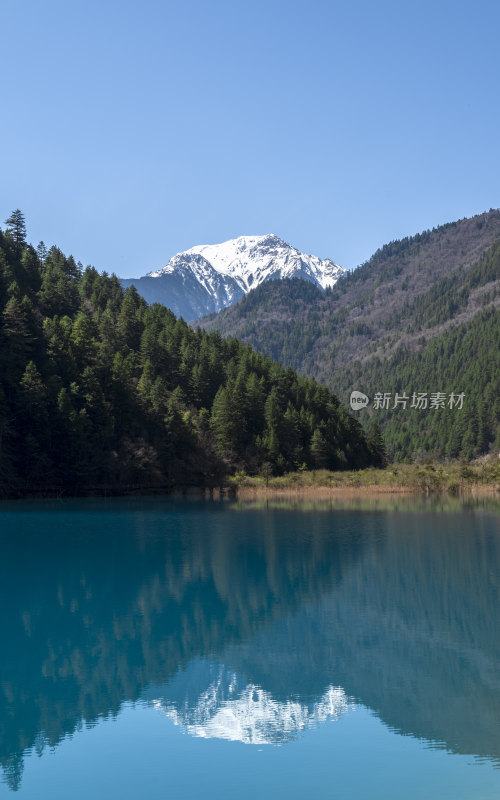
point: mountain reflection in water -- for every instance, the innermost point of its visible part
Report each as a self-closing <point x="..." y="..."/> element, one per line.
<point x="229" y="708"/>
<point x="247" y="624"/>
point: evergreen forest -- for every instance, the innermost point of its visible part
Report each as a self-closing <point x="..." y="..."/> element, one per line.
<point x="99" y="391"/>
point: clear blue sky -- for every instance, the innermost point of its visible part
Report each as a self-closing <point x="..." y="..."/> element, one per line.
<point x="132" y="130"/>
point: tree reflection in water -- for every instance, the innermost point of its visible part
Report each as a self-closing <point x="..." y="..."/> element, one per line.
<point x="123" y="600"/>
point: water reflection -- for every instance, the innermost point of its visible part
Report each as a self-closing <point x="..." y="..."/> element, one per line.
<point x="343" y="501"/>
<point x="247" y="624"/>
<point x="225" y="706"/>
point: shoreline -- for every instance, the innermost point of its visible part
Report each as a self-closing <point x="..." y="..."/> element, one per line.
<point x="437" y="480"/>
<point x="258" y="492"/>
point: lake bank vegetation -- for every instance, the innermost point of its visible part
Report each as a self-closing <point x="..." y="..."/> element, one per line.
<point x="454" y="478"/>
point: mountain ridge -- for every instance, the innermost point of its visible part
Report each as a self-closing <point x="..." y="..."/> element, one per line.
<point x="208" y="278"/>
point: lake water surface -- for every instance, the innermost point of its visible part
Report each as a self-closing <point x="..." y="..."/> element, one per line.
<point x="160" y="648"/>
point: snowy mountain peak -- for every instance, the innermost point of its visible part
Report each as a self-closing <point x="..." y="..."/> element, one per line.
<point x="251" y="260"/>
<point x="209" y="277"/>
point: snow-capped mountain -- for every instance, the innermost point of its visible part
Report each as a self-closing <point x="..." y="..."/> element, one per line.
<point x="207" y="278"/>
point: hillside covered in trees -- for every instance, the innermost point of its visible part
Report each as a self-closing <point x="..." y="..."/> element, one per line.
<point x="422" y="315"/>
<point x="465" y="358"/>
<point x="99" y="390"/>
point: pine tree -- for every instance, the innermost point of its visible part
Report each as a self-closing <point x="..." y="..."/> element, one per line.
<point x="319" y="449"/>
<point x="41" y="251"/>
<point x="16" y="230"/>
<point x="376" y="446"/>
<point x="17" y="340"/>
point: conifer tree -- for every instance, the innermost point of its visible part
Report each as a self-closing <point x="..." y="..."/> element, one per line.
<point x="376" y="446"/>
<point x="16" y="230"/>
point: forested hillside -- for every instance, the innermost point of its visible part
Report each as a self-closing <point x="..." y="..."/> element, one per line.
<point x="98" y="389"/>
<point x="420" y="315"/>
<point x="465" y="358"/>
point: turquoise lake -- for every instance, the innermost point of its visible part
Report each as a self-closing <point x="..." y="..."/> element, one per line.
<point x="194" y="648"/>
